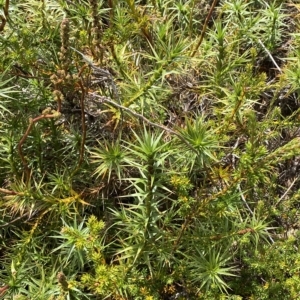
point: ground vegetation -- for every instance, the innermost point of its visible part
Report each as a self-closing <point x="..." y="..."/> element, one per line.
<point x="149" y="149"/>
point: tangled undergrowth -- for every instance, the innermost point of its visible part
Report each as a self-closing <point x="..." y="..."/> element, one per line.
<point x="149" y="149"/>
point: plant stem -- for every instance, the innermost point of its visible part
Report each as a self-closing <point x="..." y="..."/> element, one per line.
<point x="107" y="100"/>
<point x="204" y="28"/>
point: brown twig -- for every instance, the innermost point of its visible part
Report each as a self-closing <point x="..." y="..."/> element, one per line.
<point x="138" y="18"/>
<point x="8" y="192"/>
<point x="139" y="116"/>
<point x="204" y="27"/>
<point x="14" y="220"/>
<point x="4" y="18"/>
<point x="29" y="128"/>
<point x="3" y="290"/>
<point x="195" y="211"/>
<point x="286" y="192"/>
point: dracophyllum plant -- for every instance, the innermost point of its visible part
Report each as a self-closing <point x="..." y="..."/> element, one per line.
<point x="202" y="143"/>
<point x="141" y="222"/>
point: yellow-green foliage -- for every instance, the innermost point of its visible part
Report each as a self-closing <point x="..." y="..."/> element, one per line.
<point x="149" y="149"/>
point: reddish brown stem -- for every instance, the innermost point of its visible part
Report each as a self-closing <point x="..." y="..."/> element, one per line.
<point x="4" y="18"/>
<point x="204" y="27"/>
<point x="3" y="290"/>
<point x="8" y="192"/>
<point x="21" y="142"/>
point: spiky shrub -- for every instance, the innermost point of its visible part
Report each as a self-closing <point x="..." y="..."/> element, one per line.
<point x="149" y="149"/>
